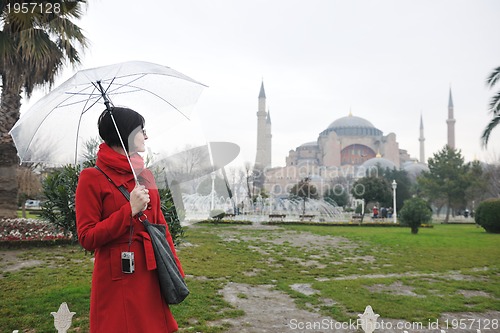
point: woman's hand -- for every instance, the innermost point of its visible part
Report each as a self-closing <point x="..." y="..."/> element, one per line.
<point x="139" y="199"/>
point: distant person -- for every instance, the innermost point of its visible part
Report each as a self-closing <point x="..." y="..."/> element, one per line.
<point x="375" y="212"/>
<point x="383" y="211"/>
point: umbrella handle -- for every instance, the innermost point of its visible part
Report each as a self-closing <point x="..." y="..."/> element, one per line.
<point x="104" y="96"/>
<point x="110" y="110"/>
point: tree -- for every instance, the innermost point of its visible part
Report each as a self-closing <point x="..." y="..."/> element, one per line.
<point x="447" y="179"/>
<point x="304" y="190"/>
<point x="480" y="186"/>
<point x="372" y="189"/>
<point x="492" y="177"/>
<point x="494" y="107"/>
<point x="188" y="166"/>
<point x="403" y="191"/>
<point x="205" y="187"/>
<point x="415" y="213"/>
<point x="248" y="179"/>
<point x="30" y="185"/>
<point x="34" y="47"/>
<point x="338" y="193"/>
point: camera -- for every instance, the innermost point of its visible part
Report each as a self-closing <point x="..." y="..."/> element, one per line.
<point x="128" y="265"/>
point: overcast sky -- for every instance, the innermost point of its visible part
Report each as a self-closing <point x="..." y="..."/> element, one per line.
<point x="388" y="61"/>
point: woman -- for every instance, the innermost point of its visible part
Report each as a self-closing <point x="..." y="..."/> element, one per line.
<point x="107" y="224"/>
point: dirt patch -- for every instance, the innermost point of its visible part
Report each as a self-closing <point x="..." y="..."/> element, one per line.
<point x="474" y="293"/>
<point x="396" y="288"/>
<point x="10" y="261"/>
<point x="268" y="311"/>
<point x="321" y="246"/>
<point x="272" y="311"/>
<point x="303" y="240"/>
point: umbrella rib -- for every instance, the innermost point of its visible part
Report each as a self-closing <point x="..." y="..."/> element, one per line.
<point x="44" y="118"/>
<point x="128" y="84"/>
<point x="84" y="110"/>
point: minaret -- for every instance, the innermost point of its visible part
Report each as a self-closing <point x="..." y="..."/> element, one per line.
<point x="269" y="137"/>
<point x="451" y="123"/>
<point x="421" y="139"/>
<point x="263" y="156"/>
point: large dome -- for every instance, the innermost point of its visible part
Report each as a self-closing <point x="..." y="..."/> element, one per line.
<point x="351" y="121"/>
<point x="353" y="126"/>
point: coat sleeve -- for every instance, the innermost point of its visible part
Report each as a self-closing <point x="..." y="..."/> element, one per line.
<point x="161" y="220"/>
<point x="94" y="231"/>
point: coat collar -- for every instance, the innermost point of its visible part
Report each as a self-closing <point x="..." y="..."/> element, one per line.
<point x="116" y="165"/>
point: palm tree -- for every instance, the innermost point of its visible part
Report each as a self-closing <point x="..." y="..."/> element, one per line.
<point x="494" y="106"/>
<point x="37" y="39"/>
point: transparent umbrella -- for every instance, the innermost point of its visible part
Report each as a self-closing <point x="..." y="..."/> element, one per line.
<point x="58" y="128"/>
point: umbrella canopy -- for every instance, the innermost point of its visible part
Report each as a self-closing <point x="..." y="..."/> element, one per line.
<point x="196" y="162"/>
<point x="59" y="127"/>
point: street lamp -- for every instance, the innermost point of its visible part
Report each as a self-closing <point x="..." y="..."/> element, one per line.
<point x="394" y="186"/>
<point x="212" y="204"/>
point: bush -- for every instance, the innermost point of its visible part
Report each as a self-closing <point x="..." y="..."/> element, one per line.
<point x="415" y="212"/>
<point x="171" y="215"/>
<point x="59" y="189"/>
<point x="488" y="215"/>
<point x="217" y="214"/>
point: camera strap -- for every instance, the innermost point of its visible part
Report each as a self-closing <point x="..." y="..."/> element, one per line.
<point x="125" y="193"/>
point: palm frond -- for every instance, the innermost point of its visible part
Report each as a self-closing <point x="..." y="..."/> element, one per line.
<point x="493" y="77"/>
<point x="489" y="128"/>
<point x="494" y="106"/>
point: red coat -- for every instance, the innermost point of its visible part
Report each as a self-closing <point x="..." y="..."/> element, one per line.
<point x="120" y="302"/>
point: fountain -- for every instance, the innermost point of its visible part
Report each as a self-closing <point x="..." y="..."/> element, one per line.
<point x="198" y="207"/>
<point x="294" y="208"/>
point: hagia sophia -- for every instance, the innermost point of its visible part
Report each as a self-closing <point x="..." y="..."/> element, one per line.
<point x="349" y="147"/>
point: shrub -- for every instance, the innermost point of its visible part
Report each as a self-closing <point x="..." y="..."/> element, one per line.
<point x="415" y="212"/>
<point x="171" y="215"/>
<point x="488" y="215"/>
<point x="59" y="189"/>
<point x="217" y="214"/>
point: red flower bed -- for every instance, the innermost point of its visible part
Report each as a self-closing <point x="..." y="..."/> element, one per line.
<point x="21" y="229"/>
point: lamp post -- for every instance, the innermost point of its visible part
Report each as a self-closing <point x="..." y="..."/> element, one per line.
<point x="394" y="186"/>
<point x="212" y="203"/>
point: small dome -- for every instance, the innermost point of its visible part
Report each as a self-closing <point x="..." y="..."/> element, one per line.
<point x="414" y="169"/>
<point x="309" y="144"/>
<point x="378" y="162"/>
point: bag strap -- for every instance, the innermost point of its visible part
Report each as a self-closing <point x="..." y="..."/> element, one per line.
<point x="121" y="187"/>
<point x="125" y="193"/>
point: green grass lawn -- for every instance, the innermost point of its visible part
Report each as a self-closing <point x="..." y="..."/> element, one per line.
<point x="30" y="214"/>
<point x="353" y="266"/>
